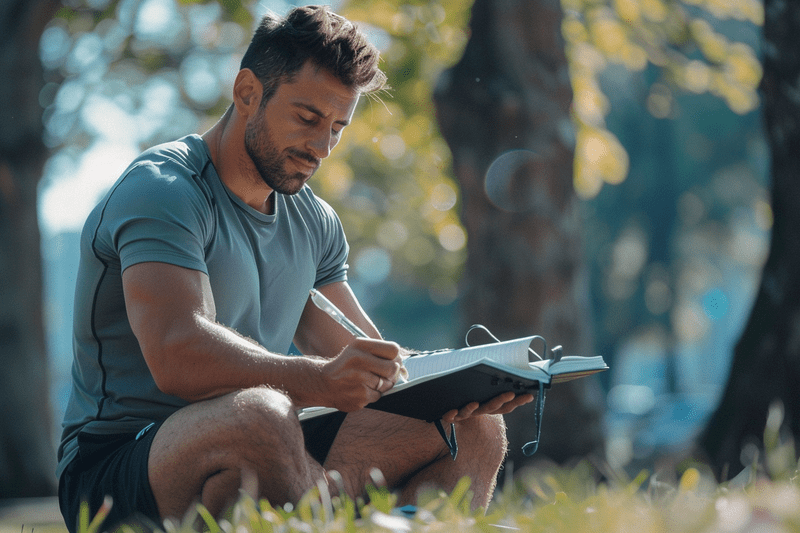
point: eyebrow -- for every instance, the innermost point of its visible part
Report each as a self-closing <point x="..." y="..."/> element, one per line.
<point x="310" y="108"/>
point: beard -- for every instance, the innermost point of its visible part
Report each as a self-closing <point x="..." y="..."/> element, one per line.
<point x="269" y="163"/>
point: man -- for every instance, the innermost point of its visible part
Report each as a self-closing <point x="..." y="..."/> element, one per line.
<point x="194" y="280"/>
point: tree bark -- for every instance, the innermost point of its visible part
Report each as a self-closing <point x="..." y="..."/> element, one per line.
<point x="766" y="362"/>
<point x="504" y="111"/>
<point x="27" y="457"/>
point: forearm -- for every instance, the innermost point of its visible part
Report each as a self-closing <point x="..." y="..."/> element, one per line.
<point x="207" y="360"/>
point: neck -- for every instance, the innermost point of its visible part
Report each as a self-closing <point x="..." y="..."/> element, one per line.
<point x="214" y="137"/>
<point x="225" y="142"/>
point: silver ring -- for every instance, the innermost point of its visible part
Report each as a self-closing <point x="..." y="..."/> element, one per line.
<point x="380" y="384"/>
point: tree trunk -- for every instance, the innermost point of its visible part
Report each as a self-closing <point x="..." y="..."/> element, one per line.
<point x="27" y="457"/>
<point x="766" y="363"/>
<point x="504" y="111"/>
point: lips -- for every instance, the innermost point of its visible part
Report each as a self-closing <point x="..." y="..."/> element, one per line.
<point x="303" y="159"/>
<point x="304" y="166"/>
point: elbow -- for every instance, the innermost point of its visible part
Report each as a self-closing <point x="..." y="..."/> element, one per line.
<point x="171" y="385"/>
<point x="177" y="372"/>
<point x="178" y="384"/>
<point x="169" y="374"/>
<point x="166" y="379"/>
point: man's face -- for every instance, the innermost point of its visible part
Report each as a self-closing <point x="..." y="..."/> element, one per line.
<point x="298" y="127"/>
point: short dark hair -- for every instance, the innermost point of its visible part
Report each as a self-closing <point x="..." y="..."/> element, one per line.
<point x="281" y="46"/>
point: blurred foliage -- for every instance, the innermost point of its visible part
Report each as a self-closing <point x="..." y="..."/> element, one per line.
<point x="402" y="207"/>
<point x="678" y="37"/>
<point x="665" y="109"/>
<point x="150" y="71"/>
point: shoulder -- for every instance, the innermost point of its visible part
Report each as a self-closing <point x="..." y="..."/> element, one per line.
<point x="186" y="156"/>
<point x="167" y="171"/>
<point x="166" y="182"/>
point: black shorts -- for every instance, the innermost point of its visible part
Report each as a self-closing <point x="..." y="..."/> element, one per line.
<point x="116" y="466"/>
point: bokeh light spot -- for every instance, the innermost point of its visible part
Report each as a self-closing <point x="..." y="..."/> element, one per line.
<point x="392" y="234"/>
<point x="373" y="265"/>
<point x="452" y="237"/>
<point x="443" y="197"/>
<point x="631" y="399"/>
<point x="715" y="304"/>
<point x="502" y="177"/>
<point x="393" y="147"/>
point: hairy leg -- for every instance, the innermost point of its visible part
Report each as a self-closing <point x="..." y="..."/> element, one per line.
<point x="203" y="451"/>
<point x="412" y="455"/>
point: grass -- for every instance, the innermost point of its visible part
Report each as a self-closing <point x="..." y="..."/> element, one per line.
<point x="765" y="497"/>
<point x="561" y="500"/>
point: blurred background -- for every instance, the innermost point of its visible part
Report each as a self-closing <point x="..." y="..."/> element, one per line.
<point x="593" y="171"/>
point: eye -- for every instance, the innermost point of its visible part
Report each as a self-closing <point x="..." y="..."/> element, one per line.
<point x="307" y="121"/>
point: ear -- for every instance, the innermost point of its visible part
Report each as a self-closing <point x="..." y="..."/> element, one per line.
<point x="247" y="92"/>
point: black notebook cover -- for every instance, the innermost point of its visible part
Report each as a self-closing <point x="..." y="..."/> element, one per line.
<point x="431" y="399"/>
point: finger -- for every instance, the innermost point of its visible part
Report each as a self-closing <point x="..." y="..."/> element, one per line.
<point x="497" y="402"/>
<point x="467" y="411"/>
<point x="520" y="400"/>
<point x="375" y="357"/>
<point x="372" y="396"/>
<point x="379" y="348"/>
<point x="494" y="407"/>
<point x="402" y="371"/>
<point x="389" y="371"/>
<point x="457" y="415"/>
<point x="450" y="416"/>
<point x="383" y="384"/>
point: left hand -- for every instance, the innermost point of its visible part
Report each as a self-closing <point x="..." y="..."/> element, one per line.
<point x="499" y="405"/>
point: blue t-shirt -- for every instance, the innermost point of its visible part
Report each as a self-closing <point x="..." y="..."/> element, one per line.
<point x="170" y="206"/>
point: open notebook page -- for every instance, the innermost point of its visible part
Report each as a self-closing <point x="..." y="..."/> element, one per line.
<point x="512" y="353"/>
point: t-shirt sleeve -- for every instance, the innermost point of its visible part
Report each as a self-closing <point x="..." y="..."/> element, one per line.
<point x="332" y="265"/>
<point x="158" y="212"/>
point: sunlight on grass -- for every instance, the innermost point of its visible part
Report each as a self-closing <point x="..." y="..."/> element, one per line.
<point x="555" y="500"/>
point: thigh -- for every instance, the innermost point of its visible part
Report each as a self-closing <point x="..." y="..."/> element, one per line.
<point x="396" y="445"/>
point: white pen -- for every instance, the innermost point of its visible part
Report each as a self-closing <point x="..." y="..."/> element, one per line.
<point x="327" y="306"/>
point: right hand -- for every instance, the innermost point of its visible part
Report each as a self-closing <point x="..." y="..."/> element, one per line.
<point x="361" y="373"/>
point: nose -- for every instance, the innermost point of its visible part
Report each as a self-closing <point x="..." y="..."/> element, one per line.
<point x="321" y="144"/>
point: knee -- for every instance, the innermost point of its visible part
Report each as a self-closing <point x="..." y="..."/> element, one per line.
<point x="262" y="400"/>
<point x="265" y="416"/>
<point x="486" y="437"/>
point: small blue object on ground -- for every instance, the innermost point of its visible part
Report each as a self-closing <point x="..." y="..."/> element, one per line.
<point x="409" y="511"/>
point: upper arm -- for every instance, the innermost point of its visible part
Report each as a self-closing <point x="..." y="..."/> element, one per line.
<point x="318" y="334"/>
<point x="165" y="305"/>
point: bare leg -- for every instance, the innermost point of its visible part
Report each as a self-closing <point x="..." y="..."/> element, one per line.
<point x="412" y="455"/>
<point x="201" y="452"/>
